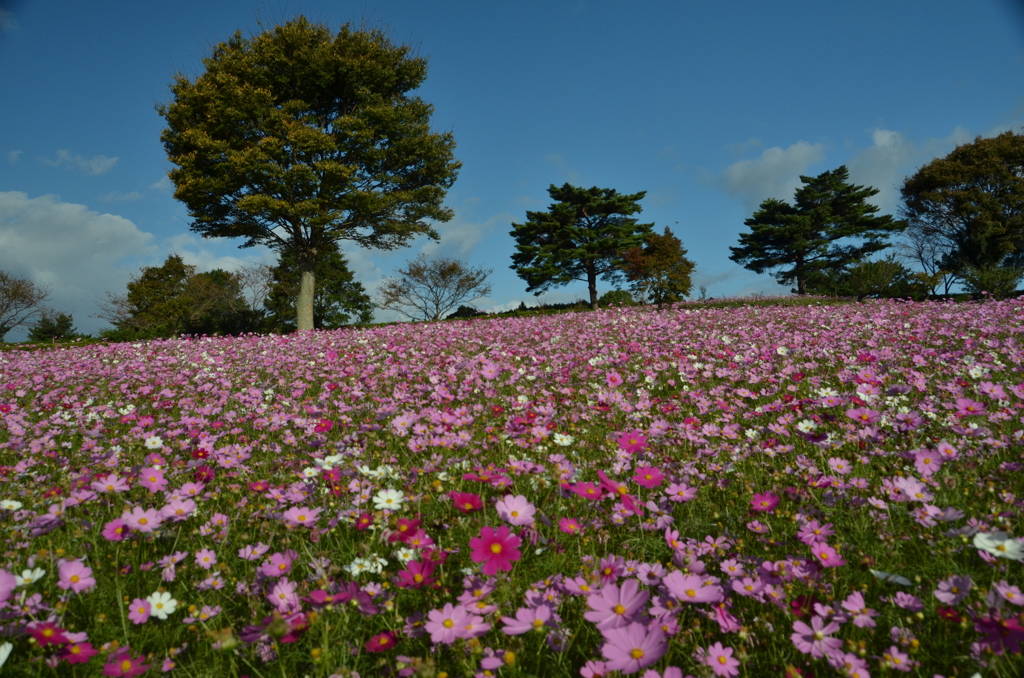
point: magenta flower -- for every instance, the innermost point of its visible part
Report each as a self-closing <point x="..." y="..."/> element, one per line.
<point x="139" y="610"/>
<point x="648" y="476"/>
<point x="691" y="588"/>
<point x="721" y="661"/>
<point x="632" y="442"/>
<point x="631" y="648"/>
<point x="570" y="526"/>
<point x="416" y="575"/>
<point x="466" y="502"/>
<point x="815" y="639"/>
<point x="381" y="642"/>
<point x="114" y="530"/>
<point x="124" y="665"/>
<point x="496" y="549"/>
<point x="613" y="606"/>
<point x="75" y="575"/>
<point x="765" y="502"/>
<point x="47" y="633"/>
<point x="77" y="653"/>
<point x="516" y="510"/>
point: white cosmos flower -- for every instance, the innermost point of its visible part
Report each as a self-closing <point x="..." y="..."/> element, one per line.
<point x="161" y="604"/>
<point x="29" y="576"/>
<point x="310" y="472"/>
<point x="154" y="443"/>
<point x="563" y="440"/>
<point x="10" y="504"/>
<point x="5" y="651"/>
<point x="894" y="578"/>
<point x="388" y="500"/>
<point x="999" y="544"/>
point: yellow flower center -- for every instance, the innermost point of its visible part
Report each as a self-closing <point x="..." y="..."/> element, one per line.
<point x="447" y="623"/>
<point x="636" y="653"/>
<point x="618" y="609"/>
<point x="495" y="548"/>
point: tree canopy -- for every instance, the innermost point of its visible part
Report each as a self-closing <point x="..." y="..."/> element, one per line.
<point x="580" y="238"/>
<point x="659" y="272"/>
<point x="817" y="232"/>
<point x="427" y="289"/>
<point x="53" y="325"/>
<point x="971" y="204"/>
<point x="299" y="137"/>
<point x="20" y="302"/>
<point x="338" y="301"/>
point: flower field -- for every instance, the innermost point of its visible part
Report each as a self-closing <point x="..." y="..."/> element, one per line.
<point x="753" y="491"/>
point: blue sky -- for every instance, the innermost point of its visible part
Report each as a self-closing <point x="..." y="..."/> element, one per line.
<point x="709" y="107"/>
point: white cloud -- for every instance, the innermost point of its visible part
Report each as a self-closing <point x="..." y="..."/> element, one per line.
<point x="162" y="184"/>
<point x="98" y="164"/>
<point x="69" y="248"/>
<point x="118" y="196"/>
<point x="571" y="175"/>
<point x="892" y="157"/>
<point x="460" y="235"/>
<point x="775" y="174"/>
<point x="13" y="156"/>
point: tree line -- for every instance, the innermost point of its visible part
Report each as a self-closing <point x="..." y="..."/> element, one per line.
<point x="300" y="138"/>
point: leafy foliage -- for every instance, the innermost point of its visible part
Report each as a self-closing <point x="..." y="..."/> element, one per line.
<point x="427" y="289"/>
<point x="659" y="271"/>
<point x="52" y="326"/>
<point x="338" y="301"/>
<point x="617" y="297"/>
<point x="20" y="301"/>
<point x="885" y="278"/>
<point x="172" y="299"/>
<point x="300" y="137"/>
<point x="971" y="204"/>
<point x="579" y="238"/>
<point x="814" y="233"/>
<point x="998" y="281"/>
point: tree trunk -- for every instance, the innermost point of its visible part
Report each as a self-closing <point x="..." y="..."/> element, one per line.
<point x="592" y="285"/>
<point x="304" y="303"/>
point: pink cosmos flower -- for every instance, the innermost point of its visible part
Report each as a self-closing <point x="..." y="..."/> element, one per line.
<point x="284" y="596"/>
<point x="631" y="648"/>
<point x="279" y="564"/>
<point x="114" y="530"/>
<point x="78" y="653"/>
<point x="123" y="664"/>
<point x="466" y="502"/>
<point x="570" y="526"/>
<point x="765" y="502"/>
<point x="614" y="606"/>
<point x="815" y="639"/>
<point x="110" y="483"/>
<point x="206" y="558"/>
<point x="298" y="515"/>
<point x="142" y="520"/>
<point x="152" y="479"/>
<point x="416" y="574"/>
<point x="178" y="510"/>
<point x="516" y="510"/>
<point x="447" y="624"/>
<point x="648" y="476"/>
<point x="47" y="633"/>
<point x="8" y="582"/>
<point x="862" y="615"/>
<point x="827" y="555"/>
<point x="951" y="591"/>
<point x="381" y="642"/>
<point x="864" y="415"/>
<point x="894" y="658"/>
<point x="139" y="610"/>
<point x="691" y="588"/>
<point x="613" y="379"/>
<point x="632" y="441"/>
<point x="721" y="661"/>
<point x="75" y="575"/>
<point x="966" y="407"/>
<point x="1009" y="592"/>
<point x="681" y="492"/>
<point x="527" y="619"/>
<point x="813" y="532"/>
<point x="496" y="549"/>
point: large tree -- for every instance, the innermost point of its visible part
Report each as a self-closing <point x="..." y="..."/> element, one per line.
<point x="21" y="301"/>
<point x="428" y="289"/>
<point x="819" y="231"/>
<point x="339" y="299"/>
<point x="659" y="272"/>
<point x="580" y="238"/>
<point x="971" y="204"/>
<point x="299" y="137"/>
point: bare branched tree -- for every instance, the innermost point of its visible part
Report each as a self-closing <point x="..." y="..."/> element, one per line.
<point x="256" y="281"/>
<point x="20" y="301"/>
<point x="427" y="289"/>
<point x="921" y="245"/>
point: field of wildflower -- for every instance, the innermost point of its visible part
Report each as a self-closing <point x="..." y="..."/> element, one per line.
<point x="751" y="491"/>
